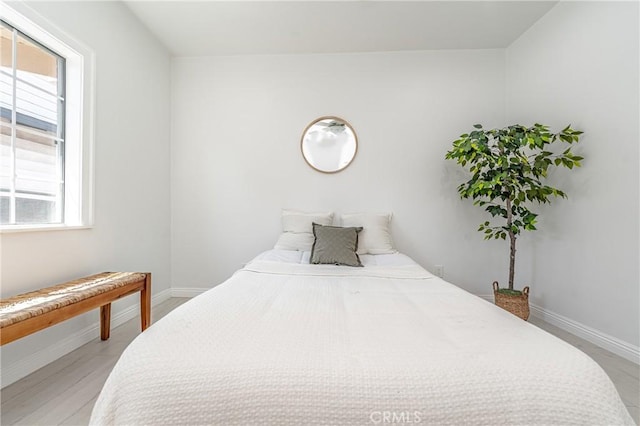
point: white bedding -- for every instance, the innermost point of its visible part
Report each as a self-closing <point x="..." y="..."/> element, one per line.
<point x="291" y="256"/>
<point x="284" y="342"/>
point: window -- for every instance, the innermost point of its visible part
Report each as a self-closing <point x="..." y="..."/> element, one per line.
<point x="32" y="109"/>
<point x="45" y="125"/>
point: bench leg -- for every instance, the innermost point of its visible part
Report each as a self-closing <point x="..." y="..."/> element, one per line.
<point x="105" y="321"/>
<point x="145" y="303"/>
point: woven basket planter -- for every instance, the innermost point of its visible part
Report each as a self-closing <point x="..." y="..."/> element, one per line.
<point x="518" y="305"/>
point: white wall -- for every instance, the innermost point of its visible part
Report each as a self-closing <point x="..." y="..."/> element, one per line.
<point x="236" y="160"/>
<point x="579" y="65"/>
<point x="132" y="199"/>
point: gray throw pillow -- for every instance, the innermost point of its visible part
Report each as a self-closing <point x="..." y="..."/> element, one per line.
<point x="335" y="245"/>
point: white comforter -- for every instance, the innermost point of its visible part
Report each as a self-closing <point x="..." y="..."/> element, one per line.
<point x="295" y="344"/>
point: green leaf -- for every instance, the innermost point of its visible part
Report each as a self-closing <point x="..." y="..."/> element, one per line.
<point x="511" y="164"/>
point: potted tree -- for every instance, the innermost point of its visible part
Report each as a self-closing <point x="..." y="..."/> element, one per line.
<point x="508" y="167"/>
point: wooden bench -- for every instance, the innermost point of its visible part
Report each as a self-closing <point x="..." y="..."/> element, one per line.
<point x="30" y="312"/>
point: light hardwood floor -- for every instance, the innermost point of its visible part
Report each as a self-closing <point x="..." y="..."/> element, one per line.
<point x="63" y="392"/>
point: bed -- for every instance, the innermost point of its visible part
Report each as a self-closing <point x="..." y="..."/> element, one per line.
<point x="289" y="343"/>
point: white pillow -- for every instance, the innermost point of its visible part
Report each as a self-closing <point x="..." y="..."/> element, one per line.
<point x="294" y="241"/>
<point x="298" y="229"/>
<point x="375" y="237"/>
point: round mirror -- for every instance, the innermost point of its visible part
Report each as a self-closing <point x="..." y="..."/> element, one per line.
<point x="329" y="144"/>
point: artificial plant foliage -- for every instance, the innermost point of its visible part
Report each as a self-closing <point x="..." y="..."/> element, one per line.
<point x="508" y="168"/>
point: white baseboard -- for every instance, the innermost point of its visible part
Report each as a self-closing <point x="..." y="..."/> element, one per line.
<point x="39" y="359"/>
<point x="612" y="344"/>
<point x="487" y="297"/>
<point x="187" y="291"/>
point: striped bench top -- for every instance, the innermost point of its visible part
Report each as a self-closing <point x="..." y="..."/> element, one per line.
<point x="28" y="305"/>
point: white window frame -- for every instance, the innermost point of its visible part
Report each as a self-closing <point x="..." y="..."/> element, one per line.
<point x="79" y="116"/>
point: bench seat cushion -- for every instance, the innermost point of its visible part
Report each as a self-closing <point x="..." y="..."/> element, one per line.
<point x="39" y="302"/>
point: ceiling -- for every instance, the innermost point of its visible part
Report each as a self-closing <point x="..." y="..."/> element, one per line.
<point x="205" y="28"/>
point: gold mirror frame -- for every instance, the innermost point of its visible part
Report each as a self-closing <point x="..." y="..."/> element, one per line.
<point x="351" y="152"/>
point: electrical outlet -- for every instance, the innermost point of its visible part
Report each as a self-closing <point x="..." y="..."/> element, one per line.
<point x="439" y="271"/>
